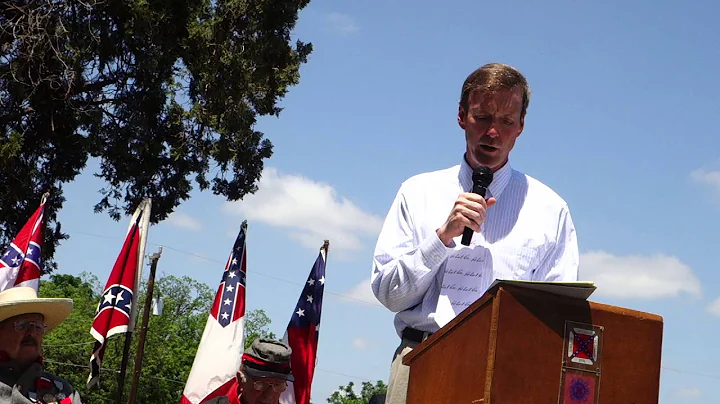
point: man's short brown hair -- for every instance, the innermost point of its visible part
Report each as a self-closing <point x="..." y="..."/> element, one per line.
<point x="491" y="78"/>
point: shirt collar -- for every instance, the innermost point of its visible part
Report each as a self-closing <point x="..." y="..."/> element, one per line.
<point x="500" y="180"/>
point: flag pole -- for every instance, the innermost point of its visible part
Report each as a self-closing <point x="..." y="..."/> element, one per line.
<point x="123" y="368"/>
<point x="143" y="327"/>
<point x="146" y="206"/>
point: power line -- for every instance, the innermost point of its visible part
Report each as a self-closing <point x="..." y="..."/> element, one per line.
<point x="62" y="345"/>
<point x="113" y="371"/>
<point x="340" y="295"/>
<point x="183" y="383"/>
<point x="690" y="372"/>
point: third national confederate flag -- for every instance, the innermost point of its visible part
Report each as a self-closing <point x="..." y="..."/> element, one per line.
<point x="116" y="310"/>
<point x="221" y="347"/>
<point x="20" y="263"/>
<point x="303" y="332"/>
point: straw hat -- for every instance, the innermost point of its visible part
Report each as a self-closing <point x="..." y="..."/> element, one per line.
<point x="23" y="300"/>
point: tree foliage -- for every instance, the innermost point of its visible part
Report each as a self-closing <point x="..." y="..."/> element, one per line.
<point x="346" y="394"/>
<point x="257" y="325"/>
<point x="171" y="343"/>
<point x="164" y="94"/>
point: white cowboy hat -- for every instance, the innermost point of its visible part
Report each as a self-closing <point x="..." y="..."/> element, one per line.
<point x="23" y="300"/>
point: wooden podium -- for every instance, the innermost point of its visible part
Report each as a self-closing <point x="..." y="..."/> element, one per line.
<point x="515" y="345"/>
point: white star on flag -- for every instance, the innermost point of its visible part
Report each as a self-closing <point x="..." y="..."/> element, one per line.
<point x="109" y="298"/>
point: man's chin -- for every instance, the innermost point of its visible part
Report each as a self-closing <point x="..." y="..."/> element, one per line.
<point x="492" y="160"/>
<point x="28" y="354"/>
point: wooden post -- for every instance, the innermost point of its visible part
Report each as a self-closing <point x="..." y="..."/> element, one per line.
<point x="143" y="328"/>
<point x="123" y="368"/>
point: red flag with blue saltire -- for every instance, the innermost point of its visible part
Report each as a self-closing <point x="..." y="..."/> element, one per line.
<point x="117" y="308"/>
<point x="21" y="262"/>
<point x="221" y="347"/>
<point x="303" y="332"/>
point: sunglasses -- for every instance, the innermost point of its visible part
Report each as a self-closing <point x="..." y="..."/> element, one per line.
<point x="277" y="387"/>
<point x="24" y="325"/>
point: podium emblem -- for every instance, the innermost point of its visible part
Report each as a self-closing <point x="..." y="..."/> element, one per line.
<point x="578" y="388"/>
<point x="583" y="346"/>
<point x="581" y="364"/>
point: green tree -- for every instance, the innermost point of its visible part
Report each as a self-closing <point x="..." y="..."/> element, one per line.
<point x="171" y="344"/>
<point x="257" y="325"/>
<point x="164" y="94"/>
<point x="346" y="394"/>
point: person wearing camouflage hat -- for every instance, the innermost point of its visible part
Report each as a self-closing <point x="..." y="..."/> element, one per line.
<point x="263" y="375"/>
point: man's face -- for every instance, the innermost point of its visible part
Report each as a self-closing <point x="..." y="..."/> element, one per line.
<point x="21" y="339"/>
<point x="265" y="390"/>
<point x="491" y="123"/>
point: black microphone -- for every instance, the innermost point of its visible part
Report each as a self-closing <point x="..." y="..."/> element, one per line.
<point x="482" y="177"/>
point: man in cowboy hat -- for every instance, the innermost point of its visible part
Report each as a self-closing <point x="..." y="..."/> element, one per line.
<point x="263" y="375"/>
<point x="24" y="319"/>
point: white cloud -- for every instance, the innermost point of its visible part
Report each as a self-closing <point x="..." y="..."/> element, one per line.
<point x="362" y="292"/>
<point x="182" y="220"/>
<point x="714" y="307"/>
<point x="342" y="22"/>
<point x="637" y="276"/>
<point x="709" y="178"/>
<point x="686" y="393"/>
<point x="312" y="210"/>
<point x="360" y="343"/>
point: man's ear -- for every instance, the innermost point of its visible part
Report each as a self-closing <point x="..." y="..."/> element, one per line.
<point x="462" y="115"/>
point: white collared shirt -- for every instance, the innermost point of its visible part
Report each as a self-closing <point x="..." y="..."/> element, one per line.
<point x="529" y="231"/>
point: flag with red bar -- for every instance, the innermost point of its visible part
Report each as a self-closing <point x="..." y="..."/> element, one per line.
<point x="303" y="332"/>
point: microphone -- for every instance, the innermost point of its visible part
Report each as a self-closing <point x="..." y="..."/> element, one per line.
<point x="482" y="177"/>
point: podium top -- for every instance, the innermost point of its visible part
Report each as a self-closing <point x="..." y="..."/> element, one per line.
<point x="577" y="290"/>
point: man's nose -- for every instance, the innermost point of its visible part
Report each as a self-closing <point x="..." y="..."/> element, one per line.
<point x="492" y="131"/>
<point x="33" y="330"/>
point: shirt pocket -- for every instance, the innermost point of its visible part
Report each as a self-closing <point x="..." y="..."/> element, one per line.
<point x="513" y="262"/>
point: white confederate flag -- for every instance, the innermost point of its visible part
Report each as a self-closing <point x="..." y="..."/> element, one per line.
<point x="221" y="348"/>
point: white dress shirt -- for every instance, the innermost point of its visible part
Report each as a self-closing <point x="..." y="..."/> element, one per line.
<point x="529" y="234"/>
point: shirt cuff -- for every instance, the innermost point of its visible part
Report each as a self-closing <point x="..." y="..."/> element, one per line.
<point x="433" y="251"/>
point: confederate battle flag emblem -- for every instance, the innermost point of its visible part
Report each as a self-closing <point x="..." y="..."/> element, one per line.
<point x="582" y="346"/>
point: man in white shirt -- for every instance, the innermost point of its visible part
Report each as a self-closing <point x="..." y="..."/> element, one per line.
<point x="522" y="228"/>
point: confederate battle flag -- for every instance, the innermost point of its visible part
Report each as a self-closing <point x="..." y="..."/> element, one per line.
<point x="20" y="263"/>
<point x="221" y="347"/>
<point x="117" y="308"/>
<point x="303" y="333"/>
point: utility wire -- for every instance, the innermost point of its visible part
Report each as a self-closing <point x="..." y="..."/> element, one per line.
<point x="340" y="295"/>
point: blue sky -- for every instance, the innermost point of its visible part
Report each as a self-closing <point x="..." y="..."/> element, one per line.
<point x="621" y="124"/>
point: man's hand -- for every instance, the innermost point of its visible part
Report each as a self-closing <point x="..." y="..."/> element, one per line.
<point x="469" y="211"/>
